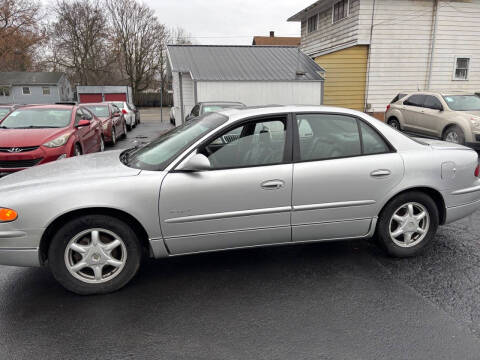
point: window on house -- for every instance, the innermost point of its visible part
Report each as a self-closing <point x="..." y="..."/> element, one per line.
<point x="312" y="23"/>
<point x="462" y="65"/>
<point x="340" y="10"/>
<point x="26" y="90"/>
<point x="4" y="91"/>
<point x="46" y="90"/>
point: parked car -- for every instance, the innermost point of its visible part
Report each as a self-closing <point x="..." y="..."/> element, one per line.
<point x="172" y="115"/>
<point x="128" y="113"/>
<point x="113" y="121"/>
<point x="34" y="135"/>
<point x="136" y="111"/>
<point x="453" y="117"/>
<point x="211" y="106"/>
<point x="296" y="174"/>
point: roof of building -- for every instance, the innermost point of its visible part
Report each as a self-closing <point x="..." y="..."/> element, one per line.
<point x="303" y="13"/>
<point x="29" y="78"/>
<point x="276" y="40"/>
<point x="243" y="63"/>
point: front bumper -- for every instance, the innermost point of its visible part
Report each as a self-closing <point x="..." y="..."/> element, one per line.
<point x="19" y="247"/>
<point x="12" y="162"/>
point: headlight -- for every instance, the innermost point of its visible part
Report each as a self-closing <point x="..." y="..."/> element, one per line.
<point x="7" y="215"/>
<point x="105" y="126"/>
<point x="475" y="123"/>
<point x="60" y="141"/>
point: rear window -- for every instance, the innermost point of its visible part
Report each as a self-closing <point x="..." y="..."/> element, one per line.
<point x="398" y="97"/>
<point x="37" y="118"/>
<point x="99" y="110"/>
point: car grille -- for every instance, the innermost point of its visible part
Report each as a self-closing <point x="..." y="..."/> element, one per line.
<point x="18" y="149"/>
<point x="13" y="164"/>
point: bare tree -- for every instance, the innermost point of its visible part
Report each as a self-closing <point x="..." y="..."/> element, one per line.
<point x="179" y="36"/>
<point x="140" y="38"/>
<point x="21" y="32"/>
<point x="81" y="42"/>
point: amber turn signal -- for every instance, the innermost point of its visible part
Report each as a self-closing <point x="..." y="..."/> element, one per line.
<point x="7" y="215"/>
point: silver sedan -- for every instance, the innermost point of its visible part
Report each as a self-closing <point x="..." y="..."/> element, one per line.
<point x="234" y="179"/>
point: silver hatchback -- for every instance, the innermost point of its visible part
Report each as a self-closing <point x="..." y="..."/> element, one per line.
<point x="234" y="179"/>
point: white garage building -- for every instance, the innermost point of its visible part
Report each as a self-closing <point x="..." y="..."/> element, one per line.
<point x="253" y="75"/>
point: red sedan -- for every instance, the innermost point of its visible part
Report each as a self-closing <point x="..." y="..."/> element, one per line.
<point x="113" y="121"/>
<point x="34" y="135"/>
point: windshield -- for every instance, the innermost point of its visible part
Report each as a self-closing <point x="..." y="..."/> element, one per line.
<point x="160" y="152"/>
<point x="3" y="112"/>
<point x="463" y="102"/>
<point x="37" y="118"/>
<point x="99" y="110"/>
<point x="212" y="108"/>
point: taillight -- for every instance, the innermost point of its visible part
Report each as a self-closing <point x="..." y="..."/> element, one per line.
<point x="388" y="107"/>
<point x="477" y="171"/>
<point x="124" y="111"/>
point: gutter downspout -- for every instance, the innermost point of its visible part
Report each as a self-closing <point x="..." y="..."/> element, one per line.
<point x="367" y="83"/>
<point x="432" y="44"/>
<point x="181" y="98"/>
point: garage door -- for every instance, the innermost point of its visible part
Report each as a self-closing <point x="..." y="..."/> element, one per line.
<point x="90" y="98"/>
<point x="115" y="97"/>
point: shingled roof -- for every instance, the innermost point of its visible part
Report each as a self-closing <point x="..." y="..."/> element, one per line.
<point x="29" y="78"/>
<point x="243" y="63"/>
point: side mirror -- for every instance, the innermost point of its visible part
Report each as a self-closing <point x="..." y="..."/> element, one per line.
<point x="116" y="114"/>
<point x="189" y="117"/>
<point x="197" y="162"/>
<point x="83" y="122"/>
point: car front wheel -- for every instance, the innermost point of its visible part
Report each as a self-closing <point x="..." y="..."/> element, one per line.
<point x="94" y="254"/>
<point x="407" y="224"/>
<point x="454" y="134"/>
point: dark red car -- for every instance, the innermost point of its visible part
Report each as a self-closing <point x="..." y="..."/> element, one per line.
<point x="33" y="135"/>
<point x="114" y="125"/>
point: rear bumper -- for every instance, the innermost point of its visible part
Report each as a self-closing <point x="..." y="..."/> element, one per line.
<point x="458" y="212"/>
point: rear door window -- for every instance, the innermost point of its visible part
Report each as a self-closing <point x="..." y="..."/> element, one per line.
<point x="415" y="100"/>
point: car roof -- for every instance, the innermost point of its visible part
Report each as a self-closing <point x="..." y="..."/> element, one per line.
<point x="47" y="106"/>
<point x="236" y="113"/>
<point x="220" y="103"/>
<point x="96" y="104"/>
<point x="439" y="93"/>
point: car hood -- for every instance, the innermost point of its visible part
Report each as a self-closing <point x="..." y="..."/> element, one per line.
<point x="28" y="137"/>
<point x="77" y="169"/>
<point x="474" y="113"/>
<point x="442" y="145"/>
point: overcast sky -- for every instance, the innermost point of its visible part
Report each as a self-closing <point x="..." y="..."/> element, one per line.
<point x="230" y="21"/>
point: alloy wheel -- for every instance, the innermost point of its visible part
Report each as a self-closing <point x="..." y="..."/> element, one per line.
<point x="409" y="224"/>
<point x="95" y="256"/>
<point x="452" y="137"/>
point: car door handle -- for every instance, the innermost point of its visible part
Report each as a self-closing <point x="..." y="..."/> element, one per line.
<point x="380" y="173"/>
<point x="272" y="184"/>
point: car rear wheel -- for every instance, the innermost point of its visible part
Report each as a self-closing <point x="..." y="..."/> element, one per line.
<point x="114" y="136"/>
<point x="454" y="134"/>
<point x="393" y="122"/>
<point x="102" y="144"/>
<point x="407" y="224"/>
<point x="94" y="254"/>
<point x="124" y="130"/>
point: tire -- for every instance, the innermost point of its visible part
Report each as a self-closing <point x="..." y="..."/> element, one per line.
<point x="393" y="122"/>
<point x="124" y="136"/>
<point x="129" y="127"/>
<point x="77" y="150"/>
<point x="102" y="144"/>
<point x="85" y="280"/>
<point x="454" y="134"/>
<point x="389" y="224"/>
<point x="114" y="136"/>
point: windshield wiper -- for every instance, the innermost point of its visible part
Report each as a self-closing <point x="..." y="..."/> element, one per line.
<point x="37" y="127"/>
<point x="4" y="127"/>
<point x="125" y="155"/>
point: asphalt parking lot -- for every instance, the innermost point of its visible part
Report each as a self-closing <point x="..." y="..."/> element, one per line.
<point x="343" y="300"/>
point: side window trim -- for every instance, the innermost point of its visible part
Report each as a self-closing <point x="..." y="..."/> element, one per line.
<point x="288" y="150"/>
<point x="296" y="137"/>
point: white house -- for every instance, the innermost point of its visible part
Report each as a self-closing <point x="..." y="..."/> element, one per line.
<point x="372" y="49"/>
<point x="21" y="87"/>
<point x="253" y="75"/>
